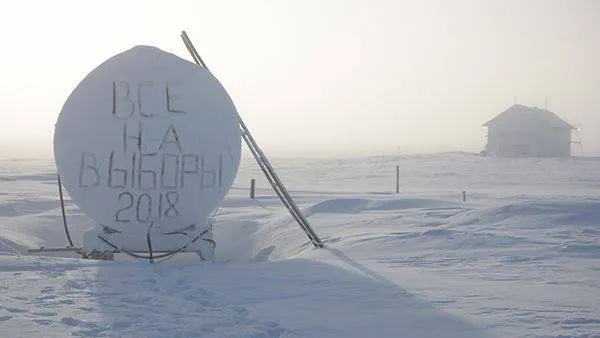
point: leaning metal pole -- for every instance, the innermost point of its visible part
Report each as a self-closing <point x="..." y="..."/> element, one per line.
<point x="263" y="162"/>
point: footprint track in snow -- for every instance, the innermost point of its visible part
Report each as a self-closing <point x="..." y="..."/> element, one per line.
<point x="44" y="314"/>
<point x="70" y="321"/>
<point x="87" y="308"/>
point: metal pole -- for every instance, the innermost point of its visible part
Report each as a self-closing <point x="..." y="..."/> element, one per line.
<point x="192" y="49"/>
<point x="263" y="163"/>
<point x="252" y="186"/>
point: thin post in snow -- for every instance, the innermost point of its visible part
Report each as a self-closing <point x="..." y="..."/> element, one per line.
<point x="252" y="187"/>
<point x="397" y="179"/>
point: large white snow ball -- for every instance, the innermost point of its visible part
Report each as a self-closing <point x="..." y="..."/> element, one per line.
<point x="148" y="138"/>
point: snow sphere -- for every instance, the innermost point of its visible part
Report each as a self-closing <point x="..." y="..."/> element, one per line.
<point x="148" y="138"/>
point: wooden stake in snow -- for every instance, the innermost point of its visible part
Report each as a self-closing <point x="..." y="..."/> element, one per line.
<point x="397" y="179"/>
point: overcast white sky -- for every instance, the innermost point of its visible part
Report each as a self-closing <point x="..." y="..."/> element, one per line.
<point x="353" y="76"/>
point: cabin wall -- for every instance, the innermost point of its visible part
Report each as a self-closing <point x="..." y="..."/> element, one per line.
<point x="560" y="143"/>
<point x="528" y="139"/>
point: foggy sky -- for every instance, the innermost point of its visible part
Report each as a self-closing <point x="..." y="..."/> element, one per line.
<point x="358" y="77"/>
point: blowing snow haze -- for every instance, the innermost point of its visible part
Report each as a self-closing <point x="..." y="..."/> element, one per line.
<point x="313" y="77"/>
<point x="147" y="165"/>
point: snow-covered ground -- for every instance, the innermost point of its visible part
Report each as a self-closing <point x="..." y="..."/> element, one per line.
<point x="519" y="258"/>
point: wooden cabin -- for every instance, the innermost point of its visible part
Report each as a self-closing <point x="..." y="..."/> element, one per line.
<point x="522" y="131"/>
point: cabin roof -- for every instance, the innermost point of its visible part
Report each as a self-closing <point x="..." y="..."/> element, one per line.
<point x="517" y="111"/>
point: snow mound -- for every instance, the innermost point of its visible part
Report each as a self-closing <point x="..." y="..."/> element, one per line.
<point x="351" y="205"/>
<point x="519" y="258"/>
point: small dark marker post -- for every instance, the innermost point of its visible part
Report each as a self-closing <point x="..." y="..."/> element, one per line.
<point x="464" y="196"/>
<point x="397" y="179"/>
<point x="252" y="186"/>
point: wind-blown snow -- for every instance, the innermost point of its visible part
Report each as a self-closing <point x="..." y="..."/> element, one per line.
<point x="519" y="258"/>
